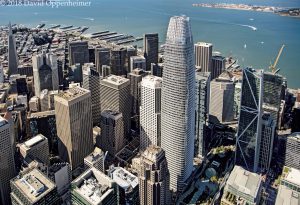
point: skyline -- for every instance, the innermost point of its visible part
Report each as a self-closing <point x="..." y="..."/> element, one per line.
<point x="233" y="35"/>
<point x="147" y="114"/>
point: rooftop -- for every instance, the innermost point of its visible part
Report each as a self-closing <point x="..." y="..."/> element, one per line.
<point x="295" y="136"/>
<point x="115" y="80"/>
<point x="152" y="153"/>
<point x="93" y="185"/>
<point x="203" y="74"/>
<point x="111" y="114"/>
<point x="203" y="44"/>
<point x="95" y="156"/>
<point x="152" y="81"/>
<point x="3" y="121"/>
<point x="244" y="181"/>
<point x="34" y="141"/>
<point x="138" y="58"/>
<point x="291" y="175"/>
<point x="42" y="114"/>
<point x="73" y="93"/>
<point x="218" y="57"/>
<point x="34" y="185"/>
<point x="286" y="196"/>
<point x="137" y="72"/>
<point x="123" y="178"/>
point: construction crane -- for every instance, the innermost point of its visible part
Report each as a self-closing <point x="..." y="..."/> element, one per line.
<point x="273" y="67"/>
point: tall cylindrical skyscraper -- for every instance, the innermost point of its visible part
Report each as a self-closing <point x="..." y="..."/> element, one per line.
<point x="178" y="101"/>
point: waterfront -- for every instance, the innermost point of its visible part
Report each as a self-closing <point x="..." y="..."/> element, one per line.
<point x="228" y="30"/>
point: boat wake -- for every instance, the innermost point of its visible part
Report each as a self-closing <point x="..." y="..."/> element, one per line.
<point x="90" y="19"/>
<point x="249" y="26"/>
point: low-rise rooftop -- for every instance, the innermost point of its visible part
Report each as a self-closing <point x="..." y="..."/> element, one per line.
<point x="34" y="185"/>
<point x="123" y="178"/>
<point x="95" y="156"/>
<point x="94" y="186"/>
<point x="286" y="196"/>
<point x="33" y="141"/>
<point x="243" y="181"/>
<point x="291" y="175"/>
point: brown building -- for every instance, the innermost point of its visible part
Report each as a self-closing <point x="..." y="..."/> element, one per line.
<point x="74" y="125"/>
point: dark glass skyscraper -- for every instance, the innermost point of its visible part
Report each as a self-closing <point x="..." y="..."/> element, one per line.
<point x="151" y="49"/>
<point x="78" y="52"/>
<point x="178" y="101"/>
<point x="249" y="129"/>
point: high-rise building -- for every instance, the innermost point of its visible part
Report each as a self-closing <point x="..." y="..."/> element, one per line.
<point x="128" y="185"/>
<point x="91" y="82"/>
<point x="25" y="69"/>
<point x="118" y="60"/>
<point x="7" y="167"/>
<point x="94" y="188"/>
<point x="151" y="49"/>
<point x="266" y="143"/>
<point x="33" y="187"/>
<point x="249" y="127"/>
<point x="44" y="101"/>
<point x="272" y="94"/>
<point x="75" y="73"/>
<point x="112" y="132"/>
<point x="102" y="57"/>
<point x="178" y="93"/>
<point x="12" y="53"/>
<point x="115" y="96"/>
<point x="150" y="112"/>
<point x="74" y="125"/>
<point x="203" y="56"/>
<point x="36" y="148"/>
<point x="45" y="72"/>
<point x="22" y="87"/>
<point x="106" y="71"/>
<point x="157" y="69"/>
<point x="135" y="78"/>
<point x="95" y="159"/>
<point x="78" y="52"/>
<point x="137" y="62"/>
<point x="292" y="153"/>
<point x="237" y="99"/>
<point x="61" y="174"/>
<point x="130" y="51"/>
<point x="296" y="119"/>
<point x="44" y="123"/>
<point x="92" y="54"/>
<point x="221" y="101"/>
<point x="217" y="66"/>
<point x="153" y="177"/>
<point x="202" y="107"/>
